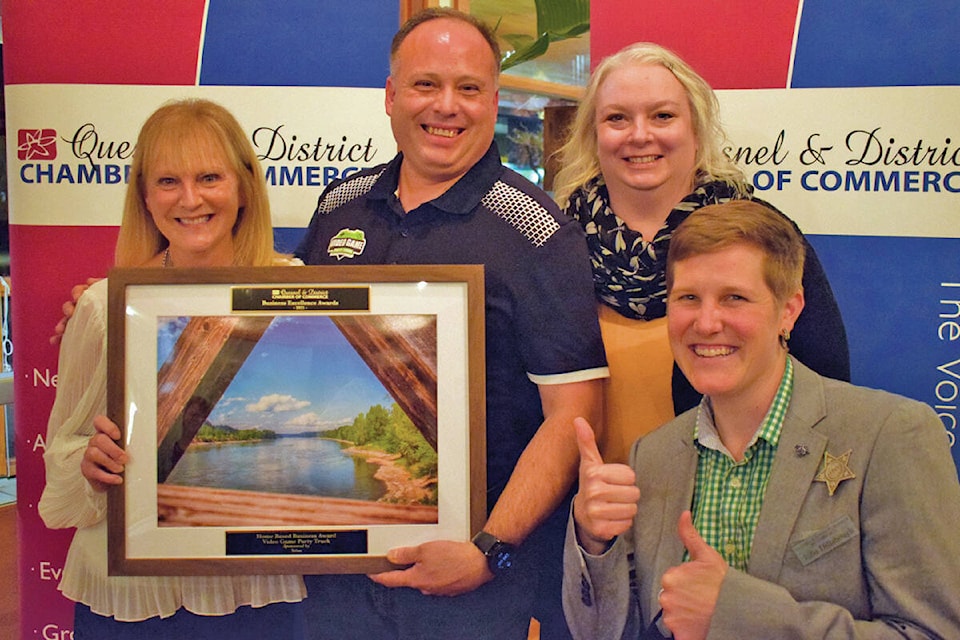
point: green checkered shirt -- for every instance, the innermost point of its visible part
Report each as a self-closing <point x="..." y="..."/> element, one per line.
<point x="728" y="494"/>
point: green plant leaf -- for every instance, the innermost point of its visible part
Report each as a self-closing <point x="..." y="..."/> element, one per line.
<point x="556" y="20"/>
<point x="534" y="49"/>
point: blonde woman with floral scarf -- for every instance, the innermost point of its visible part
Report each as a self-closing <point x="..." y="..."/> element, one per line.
<point x="643" y="153"/>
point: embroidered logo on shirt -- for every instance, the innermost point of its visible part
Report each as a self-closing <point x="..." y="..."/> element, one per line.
<point x="834" y="470"/>
<point x="348" y="243"/>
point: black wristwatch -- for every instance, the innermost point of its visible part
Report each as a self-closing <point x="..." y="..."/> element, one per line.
<point x="500" y="555"/>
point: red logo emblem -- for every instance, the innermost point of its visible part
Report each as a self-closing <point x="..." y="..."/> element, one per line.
<point x="36" y="144"/>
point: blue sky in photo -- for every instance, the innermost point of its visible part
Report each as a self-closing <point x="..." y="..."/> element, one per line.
<point x="302" y="376"/>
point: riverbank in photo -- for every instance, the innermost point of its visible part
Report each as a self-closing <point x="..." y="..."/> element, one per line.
<point x="402" y="487"/>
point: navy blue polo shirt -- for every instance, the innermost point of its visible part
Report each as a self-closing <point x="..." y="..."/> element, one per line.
<point x="541" y="318"/>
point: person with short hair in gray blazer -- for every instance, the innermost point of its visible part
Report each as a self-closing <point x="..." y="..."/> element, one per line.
<point x="787" y="505"/>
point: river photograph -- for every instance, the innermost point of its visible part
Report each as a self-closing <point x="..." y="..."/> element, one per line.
<point x="304" y="415"/>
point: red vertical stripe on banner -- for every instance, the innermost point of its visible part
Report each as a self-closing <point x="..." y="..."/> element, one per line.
<point x="47" y="261"/>
<point x="102" y="42"/>
<point x="734" y="44"/>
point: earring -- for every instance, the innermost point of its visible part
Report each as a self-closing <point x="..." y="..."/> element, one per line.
<point x="784" y="337"/>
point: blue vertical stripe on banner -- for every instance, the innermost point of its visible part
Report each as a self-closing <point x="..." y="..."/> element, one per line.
<point x="851" y="43"/>
<point x="298" y="43"/>
<point x="900" y="300"/>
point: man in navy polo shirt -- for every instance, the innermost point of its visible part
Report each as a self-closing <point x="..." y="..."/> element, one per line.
<point x="446" y="199"/>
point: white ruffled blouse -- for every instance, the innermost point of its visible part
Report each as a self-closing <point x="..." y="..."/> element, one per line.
<point x="68" y="500"/>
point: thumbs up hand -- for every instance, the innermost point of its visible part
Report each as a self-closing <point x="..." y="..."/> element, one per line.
<point x="607" y="500"/>
<point x="690" y="590"/>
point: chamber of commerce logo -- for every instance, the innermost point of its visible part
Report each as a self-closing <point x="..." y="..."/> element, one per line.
<point x="348" y="243"/>
<point x="36" y="144"/>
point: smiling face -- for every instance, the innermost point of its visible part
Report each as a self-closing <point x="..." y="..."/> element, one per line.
<point x="724" y="324"/>
<point x="645" y="131"/>
<point x="442" y="99"/>
<point x="195" y="206"/>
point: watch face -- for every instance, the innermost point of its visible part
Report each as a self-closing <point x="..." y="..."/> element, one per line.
<point x="500" y="555"/>
<point x="502" y="560"/>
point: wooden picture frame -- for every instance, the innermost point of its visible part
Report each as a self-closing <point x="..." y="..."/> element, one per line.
<point x="237" y="389"/>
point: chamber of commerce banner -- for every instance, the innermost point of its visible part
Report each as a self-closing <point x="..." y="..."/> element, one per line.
<point x="304" y="78"/>
<point x="843" y="114"/>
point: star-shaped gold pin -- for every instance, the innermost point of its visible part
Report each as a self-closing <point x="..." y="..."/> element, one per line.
<point x="834" y="470"/>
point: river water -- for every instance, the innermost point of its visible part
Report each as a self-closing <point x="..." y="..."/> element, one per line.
<point x="298" y="465"/>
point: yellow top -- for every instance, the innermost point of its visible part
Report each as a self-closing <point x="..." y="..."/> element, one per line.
<point x="637" y="395"/>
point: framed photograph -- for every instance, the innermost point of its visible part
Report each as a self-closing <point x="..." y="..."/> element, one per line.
<point x="294" y="419"/>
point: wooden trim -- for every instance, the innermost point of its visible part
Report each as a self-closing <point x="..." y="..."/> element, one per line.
<point x="8" y="460"/>
<point x="541" y="87"/>
<point x="557" y="121"/>
<point x="4" y="465"/>
<point x="409" y="7"/>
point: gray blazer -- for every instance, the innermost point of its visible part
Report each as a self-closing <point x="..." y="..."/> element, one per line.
<point x="878" y="559"/>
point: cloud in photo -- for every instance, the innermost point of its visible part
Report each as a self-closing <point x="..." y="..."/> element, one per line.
<point x="275" y="403"/>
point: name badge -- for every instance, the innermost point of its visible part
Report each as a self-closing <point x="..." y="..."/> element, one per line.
<point x="825" y="540"/>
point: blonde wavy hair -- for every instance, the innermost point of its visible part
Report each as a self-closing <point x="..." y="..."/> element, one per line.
<point x="190" y="133"/>
<point x="578" y="156"/>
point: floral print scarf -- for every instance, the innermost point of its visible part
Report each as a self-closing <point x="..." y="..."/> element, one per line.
<point x="630" y="273"/>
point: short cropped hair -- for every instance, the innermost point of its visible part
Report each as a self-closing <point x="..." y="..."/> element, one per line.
<point x="189" y="133"/>
<point x="578" y="156"/>
<point x="720" y="226"/>
<point x="435" y="13"/>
